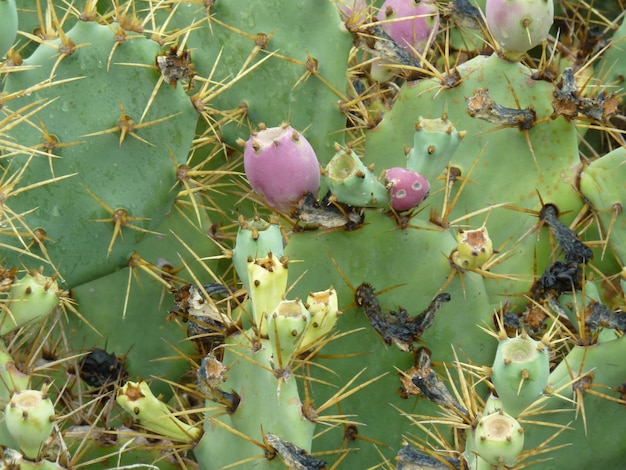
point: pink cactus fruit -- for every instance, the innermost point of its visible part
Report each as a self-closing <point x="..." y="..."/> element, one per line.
<point x="407" y="189"/>
<point x="417" y="30"/>
<point x="281" y="166"/>
<point x="519" y="25"/>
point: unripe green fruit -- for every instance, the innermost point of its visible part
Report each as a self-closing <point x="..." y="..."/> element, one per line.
<point x="29" y="417"/>
<point x="520" y="372"/>
<point x="499" y="439"/>
<point x="353" y="183"/>
<point x="286" y="328"/>
<point x="138" y="400"/>
<point x="473" y="249"/>
<point x="434" y="144"/>
<point x="255" y="238"/>
<point x="30" y="299"/>
<point x="324" y="309"/>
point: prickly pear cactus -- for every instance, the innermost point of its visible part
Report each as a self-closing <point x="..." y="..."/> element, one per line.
<point x="315" y="234"/>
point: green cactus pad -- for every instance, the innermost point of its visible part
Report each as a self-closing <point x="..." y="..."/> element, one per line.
<point x="82" y="110"/>
<point x="603" y="182"/>
<point x="301" y="79"/>
<point x="8" y="25"/>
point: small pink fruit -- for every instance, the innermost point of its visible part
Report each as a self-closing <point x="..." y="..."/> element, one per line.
<point x="407" y="189"/>
<point x="281" y="166"/>
<point x="417" y="30"/>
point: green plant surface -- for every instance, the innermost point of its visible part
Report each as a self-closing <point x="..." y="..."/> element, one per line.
<point x="282" y="62"/>
<point x="80" y="182"/>
<point x="134" y="323"/>
<point x="122" y="181"/>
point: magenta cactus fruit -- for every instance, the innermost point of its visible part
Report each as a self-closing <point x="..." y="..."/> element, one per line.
<point x="407" y="188"/>
<point x="419" y="27"/>
<point x="519" y="25"/>
<point x="281" y="166"/>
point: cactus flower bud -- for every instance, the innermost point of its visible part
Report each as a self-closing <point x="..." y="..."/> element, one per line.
<point x="407" y="188"/>
<point x="281" y="166"/>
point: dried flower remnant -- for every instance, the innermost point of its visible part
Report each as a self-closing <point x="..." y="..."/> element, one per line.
<point x="482" y="106"/>
<point x="294" y="457"/>
<point x="397" y="328"/>
<point x="175" y="66"/>
<point x="569" y="104"/>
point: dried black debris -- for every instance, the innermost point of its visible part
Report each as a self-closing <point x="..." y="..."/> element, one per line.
<point x="327" y="214"/>
<point x="294" y="457"/>
<point x="481" y="106"/>
<point x="425" y="379"/>
<point x="409" y="458"/>
<point x="397" y="327"/>
<point x="569" y="104"/>
<point x="600" y="316"/>
<point x="557" y="279"/>
<point x="209" y="377"/>
<point x="207" y="324"/>
<point x="375" y="39"/>
<point x="575" y="250"/>
<point x="101" y="369"/>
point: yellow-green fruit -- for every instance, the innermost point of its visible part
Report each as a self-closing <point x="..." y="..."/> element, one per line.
<point x="268" y="284"/>
<point x="138" y="400"/>
<point x="473" y="249"/>
<point x="29" y="417"/>
<point x="324" y="309"/>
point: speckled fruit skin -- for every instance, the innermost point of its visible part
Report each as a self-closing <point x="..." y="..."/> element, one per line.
<point x="407" y="188"/>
